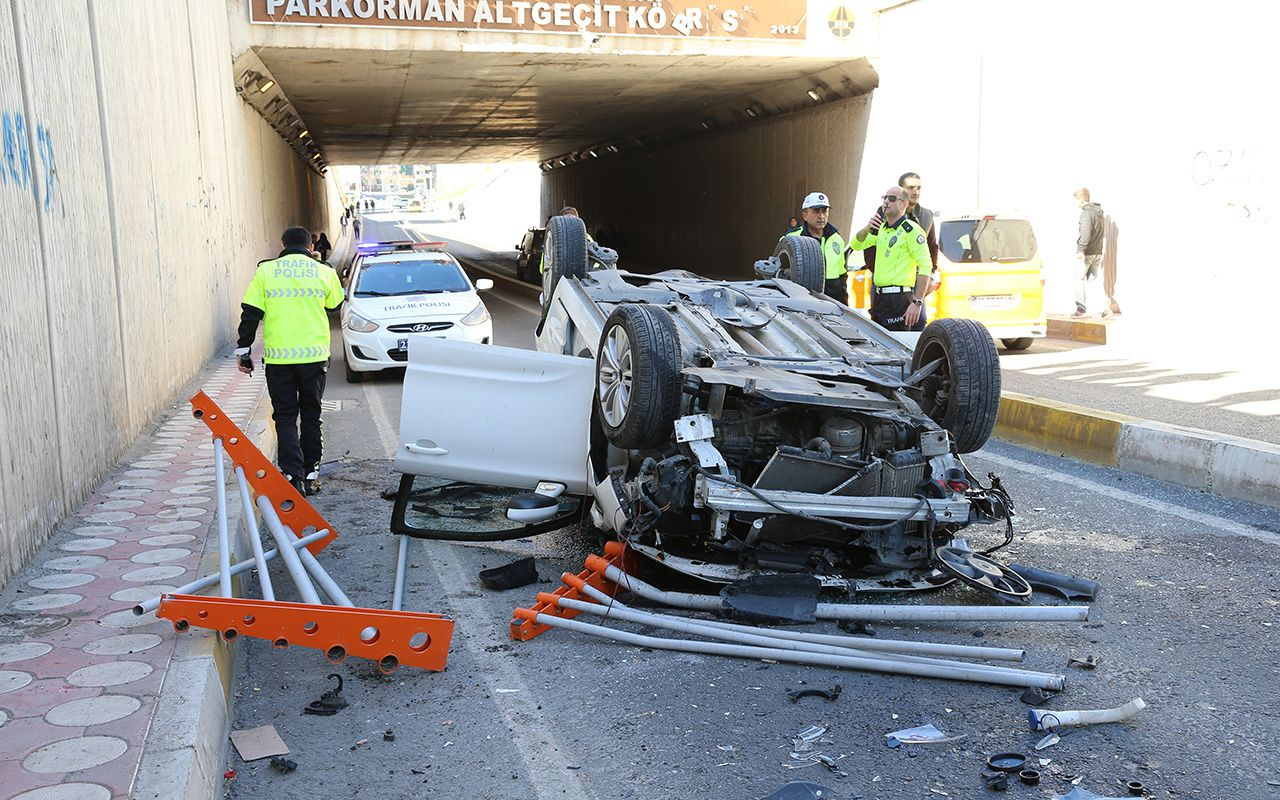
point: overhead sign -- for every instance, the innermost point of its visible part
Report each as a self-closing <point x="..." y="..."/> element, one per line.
<point x="709" y="19"/>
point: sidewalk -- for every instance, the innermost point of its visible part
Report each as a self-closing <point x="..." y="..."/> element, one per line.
<point x="86" y="686"/>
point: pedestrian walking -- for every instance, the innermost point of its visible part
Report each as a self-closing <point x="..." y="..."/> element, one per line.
<point x="1088" y="253"/>
<point x="900" y="279"/>
<point x="323" y="247"/>
<point x="289" y="295"/>
<point x="815" y="212"/>
<point x="355" y="227"/>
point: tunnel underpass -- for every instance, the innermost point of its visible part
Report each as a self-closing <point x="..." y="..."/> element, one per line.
<point x="686" y="148"/>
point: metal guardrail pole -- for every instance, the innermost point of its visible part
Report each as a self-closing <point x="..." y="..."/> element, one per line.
<point x="255" y="541"/>
<point x="402" y="561"/>
<point x="224" y="541"/>
<point x="292" y="561"/>
<point x="211" y="579"/>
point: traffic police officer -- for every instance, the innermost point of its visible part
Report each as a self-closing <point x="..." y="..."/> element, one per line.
<point x="814" y="213"/>
<point x="289" y="295"/>
<point x="901" y="278"/>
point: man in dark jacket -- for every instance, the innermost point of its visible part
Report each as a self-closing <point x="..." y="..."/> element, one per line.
<point x="1088" y="251"/>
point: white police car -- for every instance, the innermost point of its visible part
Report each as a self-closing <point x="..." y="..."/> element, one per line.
<point x="398" y="291"/>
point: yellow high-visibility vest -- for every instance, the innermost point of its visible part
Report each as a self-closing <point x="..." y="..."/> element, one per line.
<point x="293" y="292"/>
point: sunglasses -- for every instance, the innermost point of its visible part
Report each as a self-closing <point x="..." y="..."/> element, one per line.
<point x="891" y="198"/>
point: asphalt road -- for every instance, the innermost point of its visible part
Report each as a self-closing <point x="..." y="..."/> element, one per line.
<point x="1185" y="619"/>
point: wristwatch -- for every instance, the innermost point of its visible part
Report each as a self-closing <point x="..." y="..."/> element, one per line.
<point x="915" y="301"/>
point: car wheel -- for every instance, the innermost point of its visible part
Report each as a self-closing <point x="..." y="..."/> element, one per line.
<point x="565" y="253"/>
<point x="1017" y="344"/>
<point x="520" y="270"/>
<point x="351" y="375"/>
<point x="638" y="376"/>
<point x="802" y="262"/>
<point x="963" y="393"/>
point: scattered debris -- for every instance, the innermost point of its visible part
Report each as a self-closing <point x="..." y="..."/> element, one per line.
<point x="330" y="703"/>
<point x="1088" y="662"/>
<point x="805" y="754"/>
<point x="1035" y="696"/>
<point x="1136" y="788"/>
<point x="505" y="691"/>
<point x="228" y="775"/>
<point x="800" y="790"/>
<point x="1042" y="720"/>
<point x="388" y="735"/>
<point x="997" y="782"/>
<point x="1048" y="741"/>
<point x="791" y="598"/>
<point x="283" y="765"/>
<point x="366" y="741"/>
<point x="1029" y="776"/>
<point x="511" y="576"/>
<point x="829" y="696"/>
<point x="261" y="742"/>
<point x="1083" y="794"/>
<point x="1065" y="585"/>
<point x="855" y="627"/>
<point x="1007" y="762"/>
<point x="921" y="734"/>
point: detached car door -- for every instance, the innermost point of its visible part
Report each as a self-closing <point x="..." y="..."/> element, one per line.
<point x="496" y="416"/>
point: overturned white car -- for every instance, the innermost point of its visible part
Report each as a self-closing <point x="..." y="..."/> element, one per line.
<point x="724" y="428"/>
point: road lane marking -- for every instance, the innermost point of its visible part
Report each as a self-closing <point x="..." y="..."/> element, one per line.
<point x="528" y="308"/>
<point x="1160" y="506"/>
<point x="530" y="740"/>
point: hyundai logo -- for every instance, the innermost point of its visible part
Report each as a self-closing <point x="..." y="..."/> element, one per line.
<point x="421" y="327"/>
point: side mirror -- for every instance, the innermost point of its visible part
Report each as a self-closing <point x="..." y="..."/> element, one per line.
<point x="520" y="248"/>
<point x="484" y="284"/>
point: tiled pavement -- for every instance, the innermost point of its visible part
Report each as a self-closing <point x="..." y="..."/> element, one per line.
<point x="80" y="675"/>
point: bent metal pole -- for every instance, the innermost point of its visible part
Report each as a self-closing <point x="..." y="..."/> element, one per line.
<point x="1005" y="678"/>
<point x="224" y="541"/>
<point x="875" y="645"/>
<point x="402" y="561"/>
<point x="291" y="560"/>
<point x="209" y="580"/>
<point x="255" y="541"/>
<point x="858" y="613"/>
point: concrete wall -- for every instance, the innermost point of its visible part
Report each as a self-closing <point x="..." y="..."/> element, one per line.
<point x="138" y="192"/>
<point x="716" y="203"/>
<point x="1003" y="104"/>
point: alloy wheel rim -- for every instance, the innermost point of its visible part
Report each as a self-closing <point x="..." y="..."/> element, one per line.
<point x="615" y="376"/>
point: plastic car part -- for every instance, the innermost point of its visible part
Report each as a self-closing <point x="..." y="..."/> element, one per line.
<point x="1136" y="788"/>
<point x="638" y="376"/>
<point x="330" y="703"/>
<point x="510" y="576"/>
<point x="1007" y="762"/>
<point x="963" y="396"/>
<point x="1042" y="720"/>
<point x="829" y="696"/>
<point x="800" y="260"/>
<point x="793" y="598"/>
<point x="998" y="782"/>
<point x="1030" y="777"/>
<point x="984" y="573"/>
<point x="1065" y="585"/>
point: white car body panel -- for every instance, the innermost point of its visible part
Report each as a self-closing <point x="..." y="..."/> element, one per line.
<point x="479" y="431"/>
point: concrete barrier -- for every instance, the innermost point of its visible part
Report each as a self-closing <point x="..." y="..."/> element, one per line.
<point x="1230" y="466"/>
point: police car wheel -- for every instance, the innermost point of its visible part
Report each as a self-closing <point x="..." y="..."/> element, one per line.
<point x="801" y="261"/>
<point x="638" y="376"/>
<point x="351" y="375"/>
<point x="963" y="394"/>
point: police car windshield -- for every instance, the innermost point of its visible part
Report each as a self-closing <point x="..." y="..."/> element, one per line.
<point x="387" y="278"/>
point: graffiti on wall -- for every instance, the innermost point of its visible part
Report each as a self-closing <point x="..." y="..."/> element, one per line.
<point x="1235" y="178"/>
<point x="18" y="169"/>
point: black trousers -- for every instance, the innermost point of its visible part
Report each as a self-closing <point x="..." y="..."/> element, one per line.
<point x="837" y="289"/>
<point x="889" y="310"/>
<point x="296" y="390"/>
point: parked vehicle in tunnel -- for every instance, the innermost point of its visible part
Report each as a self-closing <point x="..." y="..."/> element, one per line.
<point x="530" y="254"/>
<point x="398" y="292"/>
<point x="724" y="428"/>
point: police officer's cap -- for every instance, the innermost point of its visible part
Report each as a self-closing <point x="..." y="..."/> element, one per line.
<point x="816" y="200"/>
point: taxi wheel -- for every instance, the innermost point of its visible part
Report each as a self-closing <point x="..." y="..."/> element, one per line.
<point x="351" y="375"/>
<point x="565" y="252"/>
<point x="1021" y="343"/>
<point x="638" y="376"/>
<point x="963" y="393"/>
<point x="801" y="262"/>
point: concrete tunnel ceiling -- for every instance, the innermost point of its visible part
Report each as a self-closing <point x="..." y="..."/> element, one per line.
<point x="384" y="93"/>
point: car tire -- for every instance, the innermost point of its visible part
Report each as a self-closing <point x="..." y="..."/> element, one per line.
<point x="565" y="252"/>
<point x="802" y="262"/>
<point x="963" y="394"/>
<point x="638" y="376"/>
<point x="520" y="270"/>
<point x="351" y="375"/>
<point x="1021" y="343"/>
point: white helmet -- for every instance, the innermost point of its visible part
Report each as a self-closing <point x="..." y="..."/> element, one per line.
<point x="816" y="200"/>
